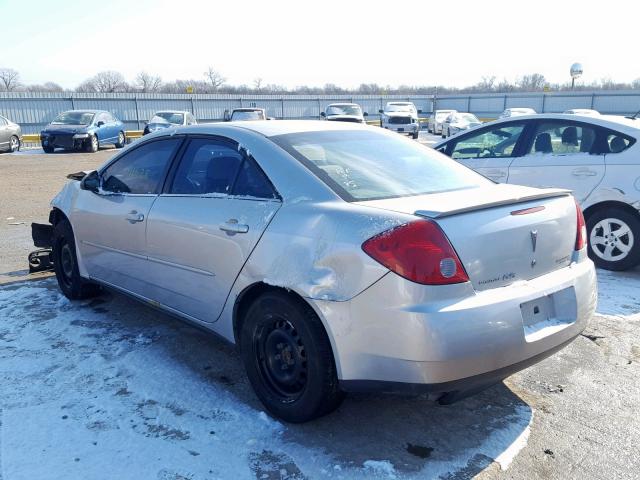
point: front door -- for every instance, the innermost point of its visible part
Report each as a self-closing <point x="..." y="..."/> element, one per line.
<point x="559" y="156"/>
<point x="110" y="226"/>
<point x="202" y="230"/>
<point x="488" y="151"/>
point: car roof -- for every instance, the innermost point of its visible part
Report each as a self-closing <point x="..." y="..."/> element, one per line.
<point x="172" y="111"/>
<point x="273" y="128"/>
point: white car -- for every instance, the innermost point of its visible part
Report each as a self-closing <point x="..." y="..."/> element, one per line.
<point x="168" y="119"/>
<point x="517" y="112"/>
<point x="582" y="111"/>
<point x="437" y="119"/>
<point x="595" y="156"/>
<point x="459" y="122"/>
<point x="344" y="112"/>
<point x="401" y="117"/>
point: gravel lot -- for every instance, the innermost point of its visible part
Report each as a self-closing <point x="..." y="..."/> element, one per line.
<point x="109" y="385"/>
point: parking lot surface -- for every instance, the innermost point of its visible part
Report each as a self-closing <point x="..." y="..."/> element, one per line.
<point x="110" y="385"/>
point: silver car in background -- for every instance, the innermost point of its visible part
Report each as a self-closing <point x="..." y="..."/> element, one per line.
<point x="337" y="257"/>
<point x="344" y="112"/>
<point x="459" y="122"/>
<point x="10" y="135"/>
<point x="168" y="119"/>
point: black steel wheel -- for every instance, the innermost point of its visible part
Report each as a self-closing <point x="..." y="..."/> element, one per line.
<point x="288" y="358"/>
<point x="65" y="264"/>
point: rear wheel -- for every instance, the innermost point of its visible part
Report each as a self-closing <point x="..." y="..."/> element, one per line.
<point x="288" y="358"/>
<point x="48" y="149"/>
<point x="415" y="135"/>
<point x="65" y="264"/>
<point x="121" y="140"/>
<point x="614" y="239"/>
<point x="14" y="144"/>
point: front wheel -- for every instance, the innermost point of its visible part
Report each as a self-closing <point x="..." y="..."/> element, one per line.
<point x="415" y="135"/>
<point x="92" y="144"/>
<point x="121" y="140"/>
<point x="288" y="358"/>
<point x="47" y="149"/>
<point x="614" y="239"/>
<point x="65" y="264"/>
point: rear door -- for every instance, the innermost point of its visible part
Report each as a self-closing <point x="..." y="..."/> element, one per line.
<point x="110" y="227"/>
<point x="5" y="134"/>
<point x="490" y="150"/>
<point x="205" y="225"/>
<point x="559" y="154"/>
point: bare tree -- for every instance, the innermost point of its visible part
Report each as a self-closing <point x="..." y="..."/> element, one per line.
<point x="9" y="79"/>
<point x="47" y="87"/>
<point x="108" y="81"/>
<point x="88" y="86"/>
<point x="257" y="84"/>
<point x="636" y="83"/>
<point x="145" y="82"/>
<point x="486" y="84"/>
<point x="215" y="78"/>
<point x="532" y="82"/>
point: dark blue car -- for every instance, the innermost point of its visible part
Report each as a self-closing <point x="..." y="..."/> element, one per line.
<point x="82" y="130"/>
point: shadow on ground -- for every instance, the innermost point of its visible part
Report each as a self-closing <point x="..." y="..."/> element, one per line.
<point x="123" y="373"/>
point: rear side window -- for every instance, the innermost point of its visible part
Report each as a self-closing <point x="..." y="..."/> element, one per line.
<point x="140" y="171"/>
<point x="561" y="138"/>
<point x="617" y="143"/>
<point x="495" y="142"/>
<point x="252" y="182"/>
<point x="207" y="166"/>
<point x="368" y="165"/>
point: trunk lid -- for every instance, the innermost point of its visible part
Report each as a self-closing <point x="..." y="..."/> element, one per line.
<point x="498" y="239"/>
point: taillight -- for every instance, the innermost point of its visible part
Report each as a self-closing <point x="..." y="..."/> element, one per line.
<point x="581" y="232"/>
<point x="418" y="251"/>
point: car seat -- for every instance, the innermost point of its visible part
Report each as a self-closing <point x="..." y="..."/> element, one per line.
<point x="543" y="143"/>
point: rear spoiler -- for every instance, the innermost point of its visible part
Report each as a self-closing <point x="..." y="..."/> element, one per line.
<point x="547" y="193"/>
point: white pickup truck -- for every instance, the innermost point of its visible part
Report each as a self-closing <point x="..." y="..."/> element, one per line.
<point x="401" y="117"/>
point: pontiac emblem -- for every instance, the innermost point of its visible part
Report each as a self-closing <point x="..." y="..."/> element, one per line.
<point x="534" y="239"/>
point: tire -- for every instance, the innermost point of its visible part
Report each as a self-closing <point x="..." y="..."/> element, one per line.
<point x="14" y="144"/>
<point x="288" y="358"/>
<point x="614" y="238"/>
<point x="415" y="135"/>
<point x="92" y="145"/>
<point x="65" y="264"/>
<point x="121" y="140"/>
<point x="48" y="149"/>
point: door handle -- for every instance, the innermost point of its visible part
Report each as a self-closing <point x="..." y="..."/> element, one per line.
<point x="134" y="217"/>
<point x="584" y="172"/>
<point x="232" y="226"/>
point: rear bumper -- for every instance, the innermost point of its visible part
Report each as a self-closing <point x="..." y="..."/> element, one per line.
<point x="401" y="336"/>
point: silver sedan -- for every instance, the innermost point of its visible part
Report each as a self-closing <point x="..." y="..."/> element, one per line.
<point x="338" y="257"/>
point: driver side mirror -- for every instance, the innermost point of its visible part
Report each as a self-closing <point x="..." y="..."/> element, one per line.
<point x="99" y="124"/>
<point x="91" y="182"/>
<point x="322" y="114"/>
<point x="365" y="114"/>
<point x="380" y="111"/>
<point x="419" y="111"/>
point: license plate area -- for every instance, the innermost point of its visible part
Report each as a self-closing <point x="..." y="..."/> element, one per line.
<point x="549" y="314"/>
<point x="401" y="129"/>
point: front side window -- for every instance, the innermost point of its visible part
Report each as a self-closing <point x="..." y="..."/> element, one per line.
<point x="561" y="138"/>
<point x="367" y="165"/>
<point x="140" y="171"/>
<point x="496" y="142"/>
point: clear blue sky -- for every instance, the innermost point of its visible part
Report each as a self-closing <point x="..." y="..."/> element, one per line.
<point x="310" y="42"/>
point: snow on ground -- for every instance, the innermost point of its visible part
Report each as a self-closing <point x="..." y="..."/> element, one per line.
<point x="619" y="294"/>
<point x="108" y="388"/>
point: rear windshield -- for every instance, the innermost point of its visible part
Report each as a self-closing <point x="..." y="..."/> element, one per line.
<point x="369" y="165"/>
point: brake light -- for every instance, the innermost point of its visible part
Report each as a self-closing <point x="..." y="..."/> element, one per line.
<point x="418" y="251"/>
<point x="581" y="231"/>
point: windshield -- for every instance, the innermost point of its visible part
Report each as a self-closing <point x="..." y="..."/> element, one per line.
<point x="398" y="108"/>
<point x="168" y="117"/>
<point x="73" y="118"/>
<point x="365" y="165"/>
<point x="247" y="115"/>
<point x="442" y="114"/>
<point x="469" y="117"/>
<point x="344" y="110"/>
